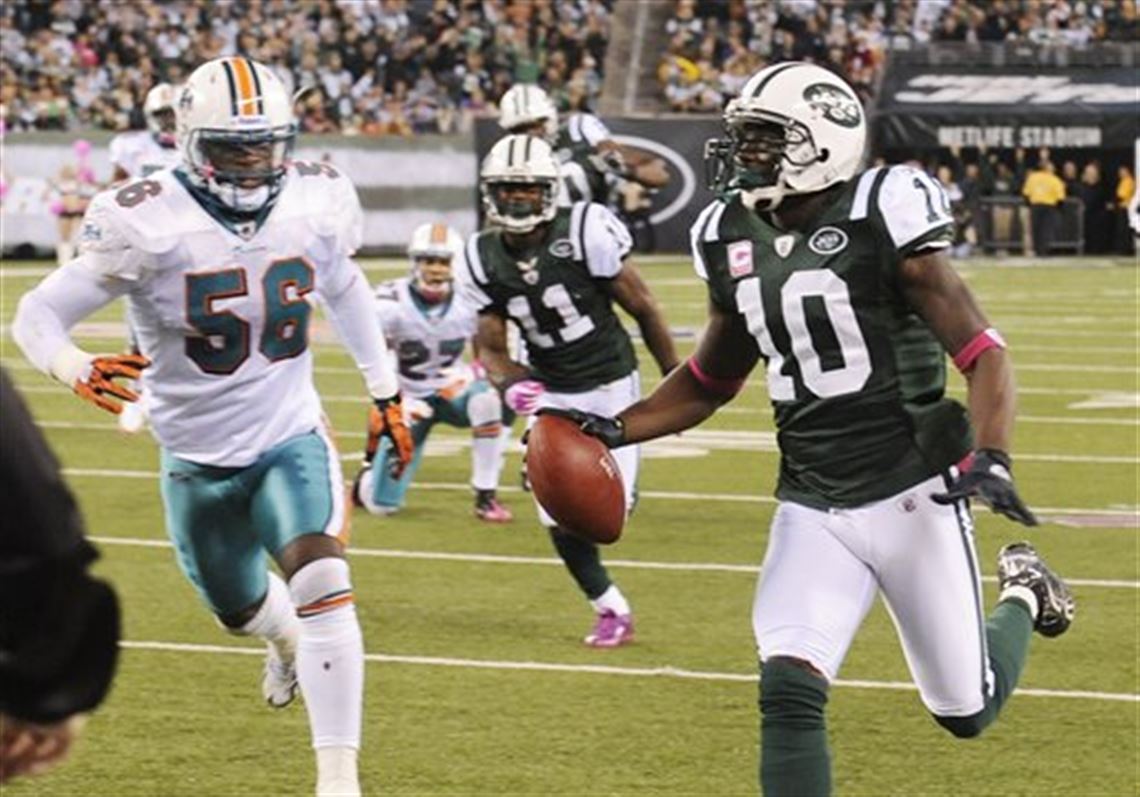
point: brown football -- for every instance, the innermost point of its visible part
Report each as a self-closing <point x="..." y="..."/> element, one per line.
<point x="575" y="479"/>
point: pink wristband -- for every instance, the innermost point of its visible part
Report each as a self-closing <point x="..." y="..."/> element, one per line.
<point x="988" y="338"/>
<point x="721" y="387"/>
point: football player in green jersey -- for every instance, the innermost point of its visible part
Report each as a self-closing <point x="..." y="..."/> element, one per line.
<point x="839" y="280"/>
<point x="593" y="164"/>
<point x="556" y="274"/>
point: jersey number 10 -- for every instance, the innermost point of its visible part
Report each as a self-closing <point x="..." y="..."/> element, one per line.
<point x="836" y="299"/>
<point x="222" y="343"/>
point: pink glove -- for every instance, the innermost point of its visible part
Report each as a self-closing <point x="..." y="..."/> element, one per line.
<point x="522" y="397"/>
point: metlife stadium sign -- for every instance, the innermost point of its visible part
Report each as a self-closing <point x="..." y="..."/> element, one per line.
<point x="923" y="107"/>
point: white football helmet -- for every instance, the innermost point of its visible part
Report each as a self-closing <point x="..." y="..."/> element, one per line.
<point x="796" y="128"/>
<point x="236" y="130"/>
<point x="525" y="106"/>
<point x="159" y="111"/>
<point x="432" y="246"/>
<point x="515" y="161"/>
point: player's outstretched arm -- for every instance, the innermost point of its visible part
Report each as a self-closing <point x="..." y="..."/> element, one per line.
<point x="690" y="393"/>
<point x="41" y="330"/>
<point x="632" y="293"/>
<point x="940" y="296"/>
<point x="491" y="343"/>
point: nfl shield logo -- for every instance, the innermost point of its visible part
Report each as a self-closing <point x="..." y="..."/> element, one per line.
<point x="784" y="245"/>
<point x="740" y="258"/>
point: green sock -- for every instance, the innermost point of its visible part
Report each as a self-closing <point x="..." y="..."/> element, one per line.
<point x="1008" y="630"/>
<point x="583" y="561"/>
<point x="794" y="760"/>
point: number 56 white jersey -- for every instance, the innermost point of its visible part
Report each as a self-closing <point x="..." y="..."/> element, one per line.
<point x="224" y="317"/>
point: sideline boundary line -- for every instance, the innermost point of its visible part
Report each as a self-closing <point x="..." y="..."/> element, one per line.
<point x="664" y="671"/>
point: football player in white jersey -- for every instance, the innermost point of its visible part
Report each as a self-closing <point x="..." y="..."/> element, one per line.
<point x="428" y="324"/>
<point x="556" y="274"/>
<point x="216" y="259"/>
<point x="137" y="153"/>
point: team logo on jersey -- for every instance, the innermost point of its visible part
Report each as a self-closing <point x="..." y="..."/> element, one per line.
<point x="828" y="241"/>
<point x="784" y="244"/>
<point x="529" y="269"/>
<point x="740" y="258"/>
<point x="835" y="104"/>
<point x="90" y="233"/>
<point x="562" y="248"/>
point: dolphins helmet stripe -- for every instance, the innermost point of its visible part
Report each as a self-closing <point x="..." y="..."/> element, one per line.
<point x="256" y="88"/>
<point x="233" y="87"/>
<point x="247" y="100"/>
<point x="438" y="233"/>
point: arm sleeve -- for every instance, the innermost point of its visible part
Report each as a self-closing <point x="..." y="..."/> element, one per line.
<point x="353" y="313"/>
<point x="594" y="130"/>
<point x="915" y="210"/>
<point x="607" y="241"/>
<point x="471" y="278"/>
<point x="47" y="313"/>
<point x="59" y="629"/>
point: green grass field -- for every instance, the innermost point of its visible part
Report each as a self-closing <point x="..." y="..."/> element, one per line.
<point x="477" y="681"/>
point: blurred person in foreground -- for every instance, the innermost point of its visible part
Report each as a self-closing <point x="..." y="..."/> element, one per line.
<point x="839" y="280"/>
<point x="218" y="259"/>
<point x="59" y="628"/>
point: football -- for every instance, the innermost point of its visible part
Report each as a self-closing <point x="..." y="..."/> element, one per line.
<point x="575" y="479"/>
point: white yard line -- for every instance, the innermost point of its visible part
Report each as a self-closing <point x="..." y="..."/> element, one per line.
<point x="664" y="671"/>
<point x="630" y="564"/>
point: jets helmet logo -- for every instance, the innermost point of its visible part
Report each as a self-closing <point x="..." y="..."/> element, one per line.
<point x="834" y="103"/>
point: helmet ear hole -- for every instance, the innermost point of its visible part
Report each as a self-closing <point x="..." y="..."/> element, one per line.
<point x="824" y="154"/>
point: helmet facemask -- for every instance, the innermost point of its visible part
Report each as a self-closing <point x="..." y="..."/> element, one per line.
<point x="432" y="277"/>
<point x="761" y="157"/>
<point x="163" y="124"/>
<point x="520" y="205"/>
<point x="244" y="169"/>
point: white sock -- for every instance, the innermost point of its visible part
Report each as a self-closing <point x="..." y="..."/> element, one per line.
<point x="337" y="772"/>
<point x="276" y="621"/>
<point x="1025" y="595"/>
<point x="330" y="654"/>
<point x="486" y="461"/>
<point x="611" y="601"/>
<point x="64" y="252"/>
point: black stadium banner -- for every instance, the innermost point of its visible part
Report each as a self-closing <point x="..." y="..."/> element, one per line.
<point x="680" y="142"/>
<point x="926" y="107"/>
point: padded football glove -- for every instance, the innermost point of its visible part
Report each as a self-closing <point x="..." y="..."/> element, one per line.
<point x="990" y="478"/>
<point x="523" y="396"/>
<point x="610" y="431"/>
<point x="99" y="386"/>
<point x="386" y="419"/>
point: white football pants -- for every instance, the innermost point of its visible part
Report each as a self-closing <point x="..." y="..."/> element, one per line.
<point x="608" y="400"/>
<point x="823" y="569"/>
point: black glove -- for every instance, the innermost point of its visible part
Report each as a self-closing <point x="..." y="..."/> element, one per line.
<point x="990" y="479"/>
<point x="610" y="431"/>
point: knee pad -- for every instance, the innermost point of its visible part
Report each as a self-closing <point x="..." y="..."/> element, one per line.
<point x="791" y="696"/>
<point x="320" y="587"/>
<point x="485" y="409"/>
<point x="965" y="727"/>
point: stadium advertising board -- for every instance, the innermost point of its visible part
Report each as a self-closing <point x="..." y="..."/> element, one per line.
<point x="924" y="107"/>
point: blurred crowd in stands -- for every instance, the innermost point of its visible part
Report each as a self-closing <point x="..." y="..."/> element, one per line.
<point x="1039" y="203"/>
<point x="714" y="45"/>
<point x="370" y="67"/>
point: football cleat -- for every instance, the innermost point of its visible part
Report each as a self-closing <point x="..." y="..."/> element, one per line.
<point x="1019" y="565"/>
<point x="611" y="630"/>
<point x="279" y="685"/>
<point x="488" y="508"/>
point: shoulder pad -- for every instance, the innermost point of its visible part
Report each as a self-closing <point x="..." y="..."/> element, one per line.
<point x="331" y="203"/>
<point x="601" y="237"/>
<point x="705" y="229"/>
<point x="914" y="208"/>
<point x="105" y="244"/>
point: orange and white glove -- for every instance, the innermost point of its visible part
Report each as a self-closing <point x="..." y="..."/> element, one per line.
<point x="386" y="419"/>
<point x="99" y="387"/>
